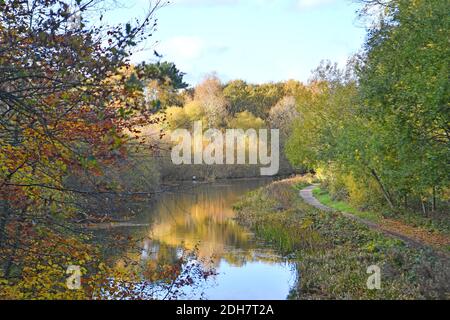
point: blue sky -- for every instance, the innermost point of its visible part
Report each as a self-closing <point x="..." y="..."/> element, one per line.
<point x="254" y="40"/>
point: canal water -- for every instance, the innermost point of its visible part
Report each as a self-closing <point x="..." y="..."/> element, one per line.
<point x="199" y="218"/>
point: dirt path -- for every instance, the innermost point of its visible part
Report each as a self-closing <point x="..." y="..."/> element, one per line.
<point x="386" y="228"/>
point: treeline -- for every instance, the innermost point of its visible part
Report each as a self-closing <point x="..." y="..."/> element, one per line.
<point x="68" y="100"/>
<point x="235" y="104"/>
<point x="378" y="132"/>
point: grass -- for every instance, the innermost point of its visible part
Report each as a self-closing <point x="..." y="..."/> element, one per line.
<point x="324" y="197"/>
<point x="438" y="223"/>
<point x="301" y="182"/>
<point x="332" y="253"/>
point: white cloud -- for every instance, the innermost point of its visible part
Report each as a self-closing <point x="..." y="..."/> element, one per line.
<point x="307" y="4"/>
<point x="205" y="2"/>
<point x="301" y="4"/>
<point x="189" y="53"/>
<point x="183" y="47"/>
<point x="224" y="2"/>
<point x="190" y="47"/>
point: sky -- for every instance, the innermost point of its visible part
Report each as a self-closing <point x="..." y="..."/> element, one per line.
<point x="254" y="40"/>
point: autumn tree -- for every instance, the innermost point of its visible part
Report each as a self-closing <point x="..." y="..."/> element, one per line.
<point x="381" y="126"/>
<point x="255" y="98"/>
<point x="209" y="93"/>
<point x="283" y="115"/>
<point x="163" y="90"/>
<point x="66" y="98"/>
<point x="237" y="92"/>
<point x="405" y="95"/>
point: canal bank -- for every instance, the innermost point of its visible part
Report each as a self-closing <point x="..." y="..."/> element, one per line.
<point x="334" y="253"/>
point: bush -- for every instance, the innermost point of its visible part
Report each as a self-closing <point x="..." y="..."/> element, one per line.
<point x="334" y="182"/>
<point x="333" y="253"/>
<point x="361" y="192"/>
<point x="363" y="195"/>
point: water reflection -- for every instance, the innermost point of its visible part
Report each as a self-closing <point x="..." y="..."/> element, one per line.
<point x="200" y="218"/>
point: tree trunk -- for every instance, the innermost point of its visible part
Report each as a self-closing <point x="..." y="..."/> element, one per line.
<point x="386" y="194"/>
<point x="4" y="216"/>
<point x="13" y="253"/>
<point x="433" y="206"/>
<point x="424" y="208"/>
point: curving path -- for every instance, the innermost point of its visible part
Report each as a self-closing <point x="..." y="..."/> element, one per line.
<point x="307" y="195"/>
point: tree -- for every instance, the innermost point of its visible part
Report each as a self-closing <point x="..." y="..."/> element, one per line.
<point x="246" y="120"/>
<point x="210" y="95"/>
<point x="405" y="94"/>
<point x="237" y="92"/>
<point x="385" y="119"/>
<point x="283" y="114"/>
<point x="331" y="133"/>
<point x="67" y="95"/>
<point x="257" y="99"/>
<point x="165" y="85"/>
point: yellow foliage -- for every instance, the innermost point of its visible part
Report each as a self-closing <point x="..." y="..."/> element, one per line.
<point x="360" y="192"/>
<point x="194" y="111"/>
<point x="246" y="120"/>
<point x="176" y="117"/>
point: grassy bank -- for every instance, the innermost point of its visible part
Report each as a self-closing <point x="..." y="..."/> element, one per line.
<point x="333" y="252"/>
<point x="433" y="229"/>
<point x="325" y="198"/>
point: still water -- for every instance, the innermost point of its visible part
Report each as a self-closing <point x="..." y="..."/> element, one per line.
<point x="200" y="218"/>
